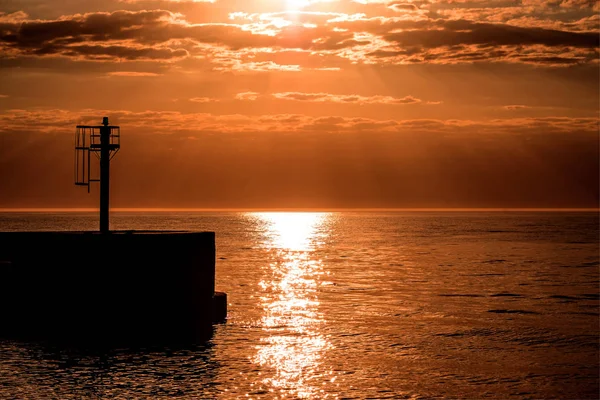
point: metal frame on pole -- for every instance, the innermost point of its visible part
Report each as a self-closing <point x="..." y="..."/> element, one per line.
<point x="105" y="149"/>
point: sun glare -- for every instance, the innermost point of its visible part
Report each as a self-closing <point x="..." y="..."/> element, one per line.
<point x="292" y="230"/>
<point x="295" y="5"/>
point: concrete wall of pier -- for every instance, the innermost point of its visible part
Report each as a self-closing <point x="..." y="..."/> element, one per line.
<point x="121" y="286"/>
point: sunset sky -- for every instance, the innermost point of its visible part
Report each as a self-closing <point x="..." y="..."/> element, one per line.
<point x="304" y="103"/>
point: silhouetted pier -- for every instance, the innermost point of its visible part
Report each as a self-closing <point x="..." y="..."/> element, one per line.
<point x="118" y="287"/>
<point x="129" y="287"/>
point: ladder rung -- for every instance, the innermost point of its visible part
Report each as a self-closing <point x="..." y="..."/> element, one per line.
<point x="96" y="147"/>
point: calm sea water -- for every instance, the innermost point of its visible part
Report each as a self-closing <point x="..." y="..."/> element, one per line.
<point x="357" y="305"/>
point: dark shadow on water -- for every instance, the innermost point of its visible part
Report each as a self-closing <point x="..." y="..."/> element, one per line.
<point x="101" y="341"/>
<point x="54" y="369"/>
<point x="84" y="348"/>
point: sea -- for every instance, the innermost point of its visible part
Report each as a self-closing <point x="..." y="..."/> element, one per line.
<point x="356" y="305"/>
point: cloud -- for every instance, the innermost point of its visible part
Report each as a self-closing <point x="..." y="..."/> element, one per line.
<point x="96" y="36"/>
<point x="335" y="98"/>
<point x="562" y="4"/>
<point x="247" y="96"/>
<point x="170" y="1"/>
<point x="134" y="74"/>
<point x="262" y="66"/>
<point x="462" y="32"/>
<point x="516" y="107"/>
<point x="16" y="17"/>
<point x="203" y="99"/>
<point x="347" y="99"/>
<point x="164" y="36"/>
<point x="62" y="121"/>
<point x="403" y="6"/>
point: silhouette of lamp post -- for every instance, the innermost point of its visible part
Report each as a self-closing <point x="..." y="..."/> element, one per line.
<point x="104" y="141"/>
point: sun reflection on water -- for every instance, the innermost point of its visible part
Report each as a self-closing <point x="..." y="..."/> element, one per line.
<point x="293" y="231"/>
<point x="294" y="342"/>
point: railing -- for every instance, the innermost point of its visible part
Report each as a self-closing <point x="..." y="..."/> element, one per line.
<point x="88" y="141"/>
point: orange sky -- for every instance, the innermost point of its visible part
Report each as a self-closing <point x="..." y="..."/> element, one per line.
<point x="304" y="103"/>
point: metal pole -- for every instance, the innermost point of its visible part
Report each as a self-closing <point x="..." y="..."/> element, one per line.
<point x="104" y="175"/>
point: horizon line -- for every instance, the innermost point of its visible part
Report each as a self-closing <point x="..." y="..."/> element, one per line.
<point x="306" y="209"/>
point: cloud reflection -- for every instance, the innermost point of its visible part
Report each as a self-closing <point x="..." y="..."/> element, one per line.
<point x="294" y="344"/>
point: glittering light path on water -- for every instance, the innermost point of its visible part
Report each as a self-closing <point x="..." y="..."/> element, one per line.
<point x="294" y="343"/>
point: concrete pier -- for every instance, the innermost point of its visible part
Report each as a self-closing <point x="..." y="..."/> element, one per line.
<point x="118" y="287"/>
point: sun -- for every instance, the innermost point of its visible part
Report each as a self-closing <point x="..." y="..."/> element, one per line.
<point x="295" y="5"/>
